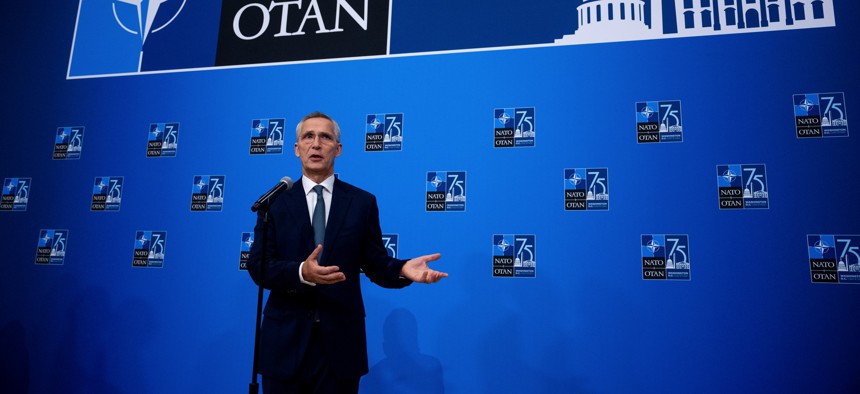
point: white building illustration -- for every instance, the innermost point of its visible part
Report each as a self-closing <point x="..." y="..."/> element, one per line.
<point x="626" y="20"/>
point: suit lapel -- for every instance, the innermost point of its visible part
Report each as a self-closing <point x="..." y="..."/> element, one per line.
<point x="340" y="200"/>
<point x="298" y="207"/>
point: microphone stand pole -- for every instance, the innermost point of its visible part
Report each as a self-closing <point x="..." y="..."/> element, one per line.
<point x="253" y="387"/>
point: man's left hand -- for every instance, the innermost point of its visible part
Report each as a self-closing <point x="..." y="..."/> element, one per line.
<point x="417" y="270"/>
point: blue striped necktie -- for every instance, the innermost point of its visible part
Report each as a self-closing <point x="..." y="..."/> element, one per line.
<point x="319" y="217"/>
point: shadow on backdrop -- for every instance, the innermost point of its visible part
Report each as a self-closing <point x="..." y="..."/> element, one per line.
<point x="96" y="338"/>
<point x="404" y="369"/>
<point x="15" y="359"/>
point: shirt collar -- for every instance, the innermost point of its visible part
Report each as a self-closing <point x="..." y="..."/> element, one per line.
<point x="308" y="184"/>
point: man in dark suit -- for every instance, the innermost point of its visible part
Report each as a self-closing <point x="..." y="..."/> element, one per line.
<point x="322" y="234"/>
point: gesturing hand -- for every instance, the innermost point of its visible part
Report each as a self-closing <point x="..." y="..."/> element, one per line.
<point x="315" y="273"/>
<point x="417" y="270"/>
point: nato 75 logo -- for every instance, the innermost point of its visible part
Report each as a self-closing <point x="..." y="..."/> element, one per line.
<point x="389" y="241"/>
<point x="586" y="189"/>
<point x="245" y="250"/>
<point x="384" y="132"/>
<point x="15" y="194"/>
<point x="51" y="247"/>
<point x="819" y="115"/>
<point x="68" y="143"/>
<point x="107" y="193"/>
<point x="514" y="127"/>
<point x="665" y="256"/>
<point x="162" y="140"/>
<point x="834" y="258"/>
<point x="742" y="186"/>
<point x="446" y="191"/>
<point x="267" y="136"/>
<point x="659" y="121"/>
<point x="207" y="192"/>
<point x="514" y="255"/>
<point x="149" y="247"/>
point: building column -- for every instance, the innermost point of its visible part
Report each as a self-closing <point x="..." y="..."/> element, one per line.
<point x="715" y="9"/>
<point x="741" y="17"/>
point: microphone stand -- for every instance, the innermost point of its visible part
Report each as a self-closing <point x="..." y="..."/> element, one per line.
<point x="253" y="387"/>
<point x="261" y="206"/>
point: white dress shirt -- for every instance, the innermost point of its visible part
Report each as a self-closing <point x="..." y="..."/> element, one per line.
<point x="311" y="198"/>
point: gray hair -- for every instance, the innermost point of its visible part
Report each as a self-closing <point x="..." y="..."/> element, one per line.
<point x="317" y="114"/>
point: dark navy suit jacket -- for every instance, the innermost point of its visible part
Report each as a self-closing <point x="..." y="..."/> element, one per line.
<point x="353" y="242"/>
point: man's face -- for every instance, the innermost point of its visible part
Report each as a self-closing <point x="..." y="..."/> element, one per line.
<point x="317" y="147"/>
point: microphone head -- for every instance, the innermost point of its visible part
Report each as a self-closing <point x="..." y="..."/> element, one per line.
<point x="288" y="181"/>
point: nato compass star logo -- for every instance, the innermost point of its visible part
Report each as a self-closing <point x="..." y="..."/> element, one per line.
<point x="806" y="105"/>
<point x="145" y="22"/>
<point x="574" y="179"/>
<point x="653" y="246"/>
<point x="142" y="241"/>
<point x="729" y="176"/>
<point x="504" y="118"/>
<point x="821" y="247"/>
<point x="503" y="245"/>
<point x="375" y="123"/>
<point x="436" y="181"/>
<point x="260" y="128"/>
<point x="647" y="112"/>
<point x="156" y="132"/>
<point x="62" y="138"/>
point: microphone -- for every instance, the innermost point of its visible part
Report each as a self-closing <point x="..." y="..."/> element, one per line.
<point x="285" y="184"/>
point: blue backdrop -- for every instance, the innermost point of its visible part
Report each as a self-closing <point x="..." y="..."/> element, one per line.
<point x="749" y="319"/>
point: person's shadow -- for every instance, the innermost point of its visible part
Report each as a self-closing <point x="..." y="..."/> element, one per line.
<point x="404" y="369"/>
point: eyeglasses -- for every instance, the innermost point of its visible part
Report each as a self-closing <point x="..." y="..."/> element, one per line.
<point x="326" y="138"/>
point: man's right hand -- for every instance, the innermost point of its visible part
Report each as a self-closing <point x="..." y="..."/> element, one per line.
<point x="315" y="273"/>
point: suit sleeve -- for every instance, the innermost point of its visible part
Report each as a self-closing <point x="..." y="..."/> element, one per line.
<point x="279" y="274"/>
<point x="378" y="266"/>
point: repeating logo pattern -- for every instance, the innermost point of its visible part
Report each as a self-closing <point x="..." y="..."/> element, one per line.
<point x="162" y="140"/>
<point x="514" y="127"/>
<point x="149" y="249"/>
<point x="665" y="256"/>
<point x="446" y="191"/>
<point x="818" y="115"/>
<point x="107" y="193"/>
<point x="384" y="132"/>
<point x="659" y="121"/>
<point x="245" y="250"/>
<point x="514" y="255"/>
<point x="390" y="242"/>
<point x="207" y="192"/>
<point x="51" y="247"/>
<point x="68" y="143"/>
<point x="267" y="136"/>
<point x="586" y="189"/>
<point x="742" y="186"/>
<point x="834" y="258"/>
<point x="15" y="194"/>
